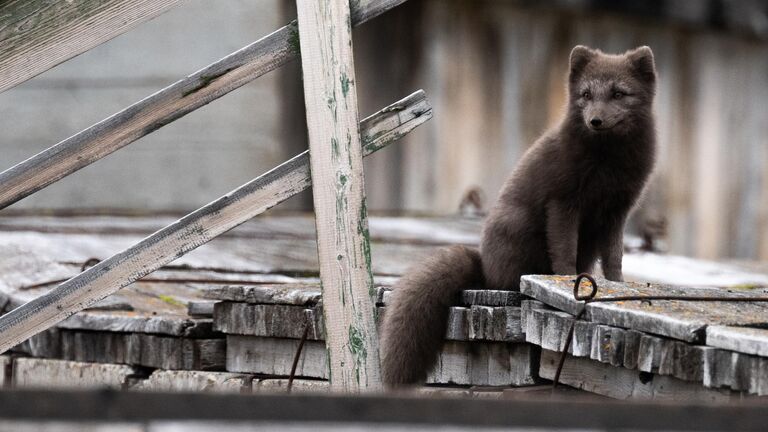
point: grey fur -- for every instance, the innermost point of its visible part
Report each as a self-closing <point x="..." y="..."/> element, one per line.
<point x="564" y="206"/>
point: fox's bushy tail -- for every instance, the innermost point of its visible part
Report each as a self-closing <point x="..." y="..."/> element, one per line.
<point x="415" y="320"/>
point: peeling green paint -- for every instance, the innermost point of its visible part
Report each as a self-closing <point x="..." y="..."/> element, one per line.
<point x="345" y="83"/>
<point x="335" y="152"/>
<point x="293" y="38"/>
<point x="357" y="344"/>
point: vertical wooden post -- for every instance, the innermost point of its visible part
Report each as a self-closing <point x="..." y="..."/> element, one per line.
<point x="339" y="196"/>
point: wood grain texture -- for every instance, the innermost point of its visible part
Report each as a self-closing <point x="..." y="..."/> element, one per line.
<point x="683" y="320"/>
<point x="460" y="363"/>
<point x="37" y="35"/>
<point x="343" y="241"/>
<point x="161" y="108"/>
<point x="195" y="229"/>
<point x="619" y="383"/>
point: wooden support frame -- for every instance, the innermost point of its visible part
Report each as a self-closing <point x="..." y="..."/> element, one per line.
<point x="163" y="107"/>
<point x="197" y="228"/>
<point x="36" y="35"/>
<point x="330" y="95"/>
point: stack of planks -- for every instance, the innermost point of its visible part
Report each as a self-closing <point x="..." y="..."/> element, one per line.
<point x="264" y="325"/>
<point x="230" y="315"/>
<point x="660" y="349"/>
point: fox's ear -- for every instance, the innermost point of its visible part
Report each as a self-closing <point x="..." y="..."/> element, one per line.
<point x="580" y="58"/>
<point x="642" y="62"/>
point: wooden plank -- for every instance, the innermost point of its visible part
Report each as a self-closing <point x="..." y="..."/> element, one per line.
<point x="161" y="108"/>
<point x="285" y="294"/>
<point x="37" y="35"/>
<point x="683" y="320"/>
<point x="52" y="374"/>
<point x="620" y="383"/>
<point x="478" y="323"/>
<point x="196" y="229"/>
<point x="283" y="321"/>
<point x="195" y="381"/>
<point x="144" y="350"/>
<point x="460" y="363"/>
<point x="343" y="242"/>
<point x="748" y="340"/>
<point x="491" y="364"/>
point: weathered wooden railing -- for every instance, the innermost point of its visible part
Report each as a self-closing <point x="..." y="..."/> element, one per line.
<point x="337" y="145"/>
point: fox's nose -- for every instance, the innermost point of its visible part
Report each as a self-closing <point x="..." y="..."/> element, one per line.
<point x="596" y="122"/>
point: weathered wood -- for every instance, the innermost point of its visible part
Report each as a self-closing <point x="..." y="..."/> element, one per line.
<point x="161" y="108"/>
<point x="144" y="350"/>
<point x="280" y="385"/>
<point x="37" y="35"/>
<point x="286" y="294"/>
<point x="343" y="242"/>
<point x="683" y="320"/>
<point x="620" y="383"/>
<point x="461" y="363"/>
<point x="195" y="229"/>
<point x="608" y="345"/>
<point x="271" y="356"/>
<point x="51" y="374"/>
<point x="284" y="321"/>
<point x="492" y="364"/>
<point x="480" y="323"/>
<point x="195" y="381"/>
<point x="748" y="340"/>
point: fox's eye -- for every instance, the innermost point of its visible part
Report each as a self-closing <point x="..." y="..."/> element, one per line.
<point x="618" y="95"/>
<point x="587" y="95"/>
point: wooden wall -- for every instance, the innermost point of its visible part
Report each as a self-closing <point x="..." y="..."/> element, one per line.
<point x="495" y="73"/>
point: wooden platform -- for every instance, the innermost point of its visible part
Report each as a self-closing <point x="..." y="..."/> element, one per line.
<point x="229" y="316"/>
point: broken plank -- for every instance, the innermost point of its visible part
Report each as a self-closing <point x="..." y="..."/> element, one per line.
<point x="162" y="107"/>
<point x="195" y="229"/>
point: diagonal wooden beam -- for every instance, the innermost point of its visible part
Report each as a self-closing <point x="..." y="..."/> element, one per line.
<point x="163" y="107"/>
<point x="197" y="228"/>
<point x="36" y="35"/>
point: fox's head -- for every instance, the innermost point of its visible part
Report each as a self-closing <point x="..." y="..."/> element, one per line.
<point x="611" y="93"/>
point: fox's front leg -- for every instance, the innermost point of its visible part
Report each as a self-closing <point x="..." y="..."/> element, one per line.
<point x="612" y="251"/>
<point x="562" y="237"/>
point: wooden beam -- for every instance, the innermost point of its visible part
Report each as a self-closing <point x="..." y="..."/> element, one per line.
<point x="36" y="35"/>
<point x="163" y="107"/>
<point x="343" y="243"/>
<point x="197" y="228"/>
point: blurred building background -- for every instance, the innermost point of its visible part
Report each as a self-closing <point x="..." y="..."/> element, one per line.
<point x="495" y="73"/>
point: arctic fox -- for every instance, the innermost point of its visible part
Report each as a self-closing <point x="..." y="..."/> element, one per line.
<point x="564" y="206"/>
